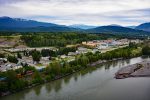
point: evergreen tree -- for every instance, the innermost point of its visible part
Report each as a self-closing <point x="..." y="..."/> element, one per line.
<point x="12" y="59"/>
<point x="37" y="77"/>
<point x="45" y="52"/>
<point x="19" y="55"/>
<point x="146" y="50"/>
<point x="36" y="55"/>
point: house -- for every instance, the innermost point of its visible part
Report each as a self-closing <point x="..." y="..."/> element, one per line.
<point x="124" y="41"/>
<point x="81" y="50"/>
<point x="136" y="41"/>
<point x="19" y="76"/>
<point x="40" y="68"/>
<point x="17" y="67"/>
<point x="95" y="50"/>
<point x="72" y="53"/>
<point x="90" y="43"/>
<point x="29" y="73"/>
<point x="3" y="60"/>
<point x="84" y="43"/>
<point x="7" y="66"/>
<point x="102" y="46"/>
<point x="63" y="56"/>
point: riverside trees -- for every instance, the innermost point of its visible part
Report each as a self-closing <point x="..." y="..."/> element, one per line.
<point x="146" y="50"/>
<point x="12" y="82"/>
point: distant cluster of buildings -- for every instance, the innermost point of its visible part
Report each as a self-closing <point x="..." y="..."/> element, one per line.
<point x="29" y="49"/>
<point x="6" y="65"/>
<point x="104" y="44"/>
<point x="99" y="45"/>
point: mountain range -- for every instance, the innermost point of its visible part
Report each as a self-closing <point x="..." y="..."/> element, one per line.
<point x="82" y="26"/>
<point x="23" y="25"/>
<point x="114" y="29"/>
<point x="144" y="27"/>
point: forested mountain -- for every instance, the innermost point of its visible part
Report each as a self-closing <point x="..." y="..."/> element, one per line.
<point x="116" y="30"/>
<point x="144" y="26"/>
<point x="40" y="29"/>
<point x="23" y="25"/>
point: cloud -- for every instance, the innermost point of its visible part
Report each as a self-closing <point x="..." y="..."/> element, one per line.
<point x="92" y="12"/>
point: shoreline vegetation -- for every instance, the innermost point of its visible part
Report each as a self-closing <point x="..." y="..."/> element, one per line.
<point x="57" y="70"/>
<point x="59" y="77"/>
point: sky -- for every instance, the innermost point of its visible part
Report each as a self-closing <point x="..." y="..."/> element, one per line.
<point x="89" y="12"/>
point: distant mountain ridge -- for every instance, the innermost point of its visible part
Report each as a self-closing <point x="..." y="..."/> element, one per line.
<point x="82" y="26"/>
<point x="23" y="25"/>
<point x="116" y="30"/>
<point x="144" y="27"/>
<point x="133" y="27"/>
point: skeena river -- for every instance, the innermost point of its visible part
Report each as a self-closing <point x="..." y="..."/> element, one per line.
<point x="95" y="83"/>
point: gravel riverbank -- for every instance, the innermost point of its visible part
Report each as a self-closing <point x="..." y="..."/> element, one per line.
<point x="141" y="69"/>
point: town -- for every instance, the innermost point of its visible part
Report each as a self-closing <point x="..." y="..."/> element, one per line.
<point x="23" y="56"/>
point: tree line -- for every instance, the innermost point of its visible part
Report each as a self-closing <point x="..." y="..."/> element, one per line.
<point x="57" y="39"/>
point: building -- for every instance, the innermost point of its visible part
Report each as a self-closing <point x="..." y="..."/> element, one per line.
<point x="72" y="53"/>
<point x="95" y="50"/>
<point x="7" y="66"/>
<point x="63" y="56"/>
<point x="90" y="43"/>
<point x="102" y="46"/>
<point x="81" y="50"/>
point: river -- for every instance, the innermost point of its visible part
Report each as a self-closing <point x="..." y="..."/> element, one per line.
<point x="96" y="83"/>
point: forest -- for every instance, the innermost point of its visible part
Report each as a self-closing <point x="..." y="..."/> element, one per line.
<point x="58" y="39"/>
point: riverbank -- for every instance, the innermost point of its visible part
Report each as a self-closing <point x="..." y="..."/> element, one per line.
<point x="59" y="77"/>
<point x="52" y="72"/>
<point x="103" y="61"/>
<point x="33" y="85"/>
<point x="99" y="78"/>
<point x="141" y="69"/>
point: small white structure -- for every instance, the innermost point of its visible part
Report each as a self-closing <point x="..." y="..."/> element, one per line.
<point x="63" y="56"/>
<point x="94" y="50"/>
<point x="72" y="53"/>
<point x="81" y="50"/>
<point x="3" y="59"/>
<point x="7" y="66"/>
<point x="102" y="46"/>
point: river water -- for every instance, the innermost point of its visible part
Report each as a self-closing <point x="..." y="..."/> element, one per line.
<point x="96" y="83"/>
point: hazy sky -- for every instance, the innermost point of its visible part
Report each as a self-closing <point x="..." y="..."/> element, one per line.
<point x="91" y="12"/>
